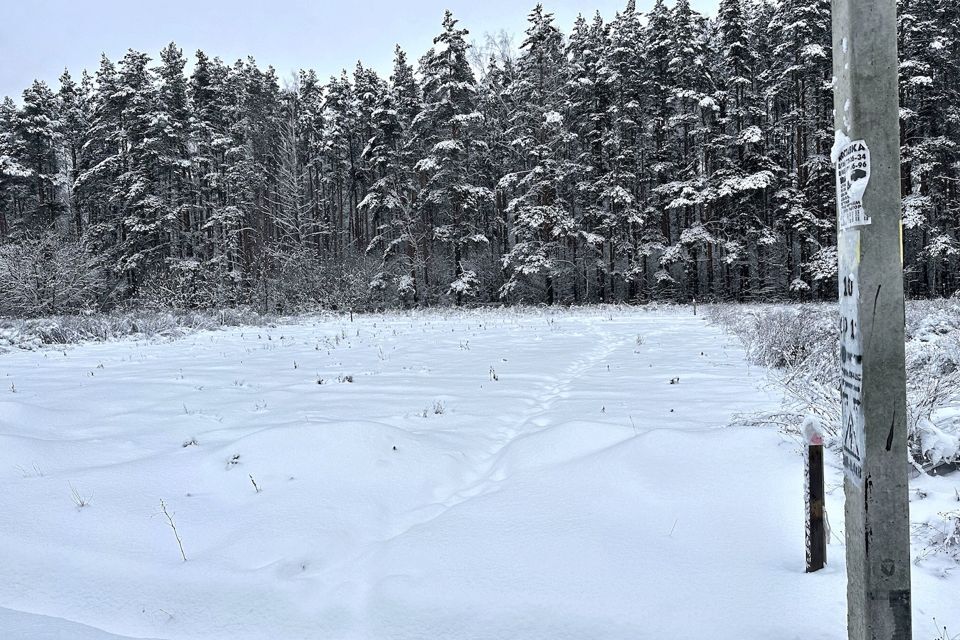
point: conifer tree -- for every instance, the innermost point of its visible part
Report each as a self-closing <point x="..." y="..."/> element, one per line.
<point x="540" y="205"/>
<point x="447" y="131"/>
<point x="391" y="199"/>
<point x="13" y="174"/>
<point x="37" y="128"/>
<point x="171" y="126"/>
<point x="72" y="107"/>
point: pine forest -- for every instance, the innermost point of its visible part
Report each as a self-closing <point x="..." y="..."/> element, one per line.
<point x="644" y="156"/>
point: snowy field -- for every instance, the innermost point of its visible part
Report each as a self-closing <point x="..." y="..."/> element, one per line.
<point x="488" y="474"/>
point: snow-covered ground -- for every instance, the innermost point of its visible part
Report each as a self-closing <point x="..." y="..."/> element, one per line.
<point x="487" y="474"/>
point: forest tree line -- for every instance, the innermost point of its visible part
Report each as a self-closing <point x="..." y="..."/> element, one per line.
<point x="663" y="155"/>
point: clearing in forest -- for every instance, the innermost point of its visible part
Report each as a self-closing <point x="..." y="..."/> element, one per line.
<point x="483" y="474"/>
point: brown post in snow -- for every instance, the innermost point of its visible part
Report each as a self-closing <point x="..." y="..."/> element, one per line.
<point x="816" y="526"/>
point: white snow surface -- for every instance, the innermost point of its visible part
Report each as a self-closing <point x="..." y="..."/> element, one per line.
<point x="486" y="474"/>
<point x="552" y="117"/>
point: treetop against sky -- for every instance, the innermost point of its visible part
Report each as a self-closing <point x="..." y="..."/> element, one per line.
<point x="39" y="39"/>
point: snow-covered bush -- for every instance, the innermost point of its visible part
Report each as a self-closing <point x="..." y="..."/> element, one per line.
<point x="786" y="337"/>
<point x="189" y="284"/>
<point x="941" y="535"/>
<point x="305" y="281"/>
<point x="800" y="344"/>
<point x="294" y="281"/>
<point x="33" y="332"/>
<point x="43" y="275"/>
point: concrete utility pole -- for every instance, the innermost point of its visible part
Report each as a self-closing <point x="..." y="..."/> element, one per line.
<point x="867" y="156"/>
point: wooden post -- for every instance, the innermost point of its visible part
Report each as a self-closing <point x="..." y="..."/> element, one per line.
<point x="873" y="391"/>
<point x="816" y="528"/>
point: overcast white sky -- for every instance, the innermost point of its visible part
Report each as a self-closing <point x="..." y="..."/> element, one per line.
<point x="38" y="38"/>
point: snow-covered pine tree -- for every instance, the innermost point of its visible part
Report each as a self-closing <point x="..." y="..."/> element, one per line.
<point x="661" y="158"/>
<point x="497" y="106"/>
<point x="390" y="201"/>
<point x="448" y="128"/>
<point x="622" y="218"/>
<point x="540" y="206"/>
<point x="72" y="106"/>
<point x="801" y="91"/>
<point x="217" y="246"/>
<point x="13" y="175"/>
<point x="251" y="175"/>
<point x="341" y="149"/>
<point x="38" y="131"/>
<point x="690" y="255"/>
<point x="310" y="130"/>
<point x="99" y="165"/>
<point x="580" y="80"/>
<point x="741" y="174"/>
<point x="928" y="48"/>
<point x="588" y="118"/>
<point x="171" y="125"/>
<point x="145" y="219"/>
<point x="370" y="91"/>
